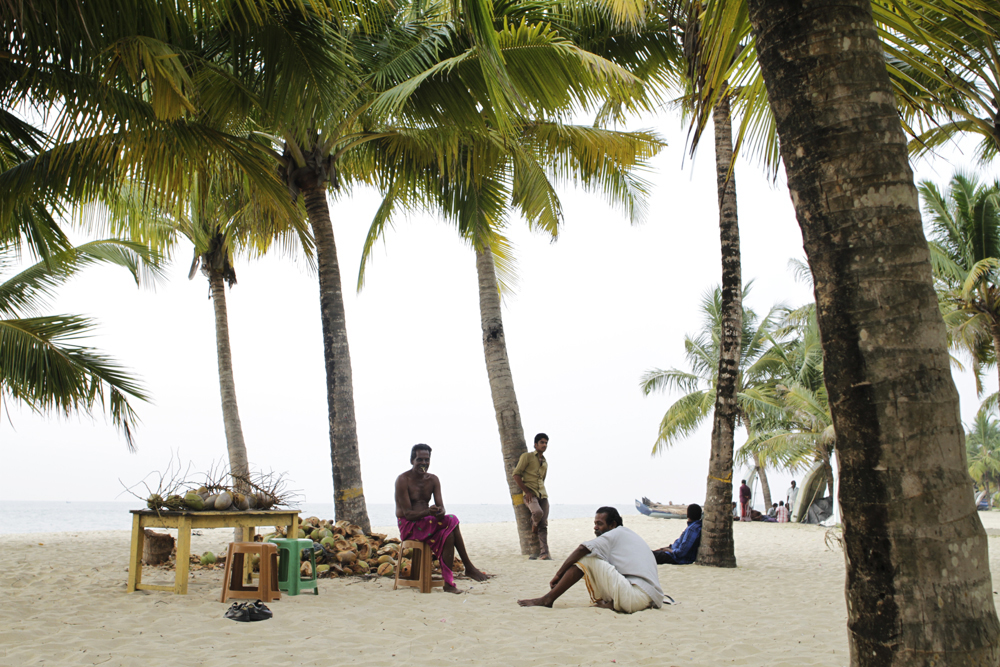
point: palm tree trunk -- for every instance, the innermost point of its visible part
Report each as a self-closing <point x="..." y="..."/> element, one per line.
<point x="765" y="488"/>
<point x="995" y="327"/>
<point x="918" y="581"/>
<point x="717" y="525"/>
<point x="348" y="494"/>
<point x="512" y="443"/>
<point x="238" y="465"/>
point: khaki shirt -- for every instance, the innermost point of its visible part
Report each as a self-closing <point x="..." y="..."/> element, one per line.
<point x="532" y="472"/>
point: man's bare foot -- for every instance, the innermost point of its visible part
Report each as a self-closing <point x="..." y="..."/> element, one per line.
<point x="604" y="604"/>
<point x="474" y="573"/>
<point x="537" y="602"/>
<point x="450" y="588"/>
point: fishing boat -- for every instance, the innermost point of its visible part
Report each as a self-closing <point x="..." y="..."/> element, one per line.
<point x="661" y="511"/>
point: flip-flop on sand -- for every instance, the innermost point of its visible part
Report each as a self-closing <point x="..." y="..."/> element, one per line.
<point x="245" y="612"/>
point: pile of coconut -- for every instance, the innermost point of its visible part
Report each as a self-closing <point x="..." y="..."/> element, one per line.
<point x="218" y="498"/>
<point x="342" y="549"/>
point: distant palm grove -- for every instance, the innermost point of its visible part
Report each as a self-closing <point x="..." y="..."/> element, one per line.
<point x="230" y="124"/>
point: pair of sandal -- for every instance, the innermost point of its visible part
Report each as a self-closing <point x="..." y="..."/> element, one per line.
<point x="245" y="612"/>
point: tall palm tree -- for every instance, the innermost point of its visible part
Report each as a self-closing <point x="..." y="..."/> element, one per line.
<point x="701" y="381"/>
<point x="42" y="363"/>
<point x="963" y="226"/>
<point x="479" y="192"/>
<point x="904" y="484"/>
<point x="982" y="445"/>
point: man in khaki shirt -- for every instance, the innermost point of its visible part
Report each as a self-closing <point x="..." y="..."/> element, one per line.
<point x="529" y="475"/>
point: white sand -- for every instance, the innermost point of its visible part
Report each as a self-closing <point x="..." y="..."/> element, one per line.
<point x="65" y="604"/>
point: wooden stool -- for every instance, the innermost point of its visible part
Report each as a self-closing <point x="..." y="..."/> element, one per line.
<point x="232" y="580"/>
<point x="421" y="562"/>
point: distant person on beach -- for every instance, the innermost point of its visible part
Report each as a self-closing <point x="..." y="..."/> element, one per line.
<point x="529" y="475"/>
<point x="744" y="501"/>
<point x="782" y="513"/>
<point x="790" y="496"/>
<point x="419" y="520"/>
<point x="736" y="512"/>
<point x="773" y="512"/>
<point x="618" y="567"/>
<point x="684" y="550"/>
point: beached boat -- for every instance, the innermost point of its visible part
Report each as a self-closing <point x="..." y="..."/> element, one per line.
<point x="660" y="511"/>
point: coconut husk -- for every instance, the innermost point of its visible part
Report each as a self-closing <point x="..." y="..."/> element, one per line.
<point x="385" y="558"/>
<point x="386" y="569"/>
<point x="342" y="545"/>
<point x="390" y="540"/>
<point x="347" y="556"/>
<point x="364" y="551"/>
<point x="379" y="536"/>
<point x="306" y="570"/>
<point x="156" y="547"/>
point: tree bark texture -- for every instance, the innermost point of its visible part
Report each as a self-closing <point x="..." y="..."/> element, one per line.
<point x="238" y="465"/>
<point x="717" y="547"/>
<point x="512" y="443"/>
<point x="918" y="582"/>
<point x="348" y="494"/>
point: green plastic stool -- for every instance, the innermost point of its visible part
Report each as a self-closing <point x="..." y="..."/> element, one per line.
<point x="289" y="557"/>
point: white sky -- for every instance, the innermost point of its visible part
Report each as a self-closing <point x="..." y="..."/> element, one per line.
<point x="593" y="311"/>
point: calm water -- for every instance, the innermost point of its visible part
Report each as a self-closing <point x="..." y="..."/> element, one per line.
<point x="48" y="516"/>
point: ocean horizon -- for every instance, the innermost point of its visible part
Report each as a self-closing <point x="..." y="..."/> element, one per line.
<point x="46" y="516"/>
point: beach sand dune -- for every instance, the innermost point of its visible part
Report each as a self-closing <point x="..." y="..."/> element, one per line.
<point x="65" y="604"/>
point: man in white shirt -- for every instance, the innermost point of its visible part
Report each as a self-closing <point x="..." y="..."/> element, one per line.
<point x="618" y="567"/>
<point x="790" y="496"/>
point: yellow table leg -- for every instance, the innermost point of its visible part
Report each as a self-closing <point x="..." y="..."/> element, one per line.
<point x="135" y="555"/>
<point x="293" y="531"/>
<point x="183" y="556"/>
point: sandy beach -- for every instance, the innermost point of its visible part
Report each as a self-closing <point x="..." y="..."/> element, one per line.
<point x="66" y="604"/>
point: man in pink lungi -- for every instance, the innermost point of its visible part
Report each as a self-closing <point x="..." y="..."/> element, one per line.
<point x="419" y="520"/>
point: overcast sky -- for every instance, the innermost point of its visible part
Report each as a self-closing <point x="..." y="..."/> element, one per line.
<point x="592" y="312"/>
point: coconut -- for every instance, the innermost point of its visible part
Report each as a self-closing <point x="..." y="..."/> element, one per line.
<point x="313" y="521"/>
<point x="193" y="501"/>
<point x="255" y="562"/>
<point x="407" y="552"/>
<point x="386" y="559"/>
<point x="325" y="533"/>
<point x="208" y="558"/>
<point x="364" y="551"/>
<point x="361" y="567"/>
<point x="174" y="503"/>
<point x="251" y="501"/>
<point x="240" y="502"/>
<point x="327" y="542"/>
<point x="224" y="501"/>
<point x="155" y="501"/>
<point x="320" y="569"/>
<point x="347" y="556"/>
<point x="386" y="569"/>
<point x="210" y="502"/>
<point x="265" y="500"/>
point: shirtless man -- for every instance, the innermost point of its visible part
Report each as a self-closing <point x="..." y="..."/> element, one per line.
<point x="419" y="520"/>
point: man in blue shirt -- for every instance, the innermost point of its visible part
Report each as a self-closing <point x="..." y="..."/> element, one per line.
<point x="685" y="549"/>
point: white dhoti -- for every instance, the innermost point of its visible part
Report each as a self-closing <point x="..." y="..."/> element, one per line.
<point x="604" y="582"/>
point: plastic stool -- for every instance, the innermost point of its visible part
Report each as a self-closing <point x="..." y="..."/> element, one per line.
<point x="289" y="572"/>
<point x="421" y="562"/>
<point x="232" y="580"/>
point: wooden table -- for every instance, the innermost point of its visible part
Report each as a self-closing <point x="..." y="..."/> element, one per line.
<point x="184" y="522"/>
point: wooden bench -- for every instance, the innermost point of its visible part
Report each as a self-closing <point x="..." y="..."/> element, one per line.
<point x="184" y="522"/>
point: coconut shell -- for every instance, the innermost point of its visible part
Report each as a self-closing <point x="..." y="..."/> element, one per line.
<point x="347" y="556"/>
<point x="379" y="536"/>
<point x="364" y="551"/>
<point x="327" y="542"/>
<point x="208" y="558"/>
<point x="390" y="540"/>
<point x="386" y="559"/>
<point x="306" y="570"/>
<point x="224" y="501"/>
<point x="313" y="521"/>
<point x="386" y="569"/>
<point x="361" y="567"/>
<point x="342" y="545"/>
<point x="389" y="549"/>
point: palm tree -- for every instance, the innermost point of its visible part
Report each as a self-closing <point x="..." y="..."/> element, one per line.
<point x="42" y="364"/>
<point x="982" y="446"/>
<point x="903" y="475"/>
<point x="478" y="194"/>
<point x="963" y="227"/>
<point x="701" y="381"/>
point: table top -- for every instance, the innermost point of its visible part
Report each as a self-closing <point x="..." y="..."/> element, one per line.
<point x="148" y="512"/>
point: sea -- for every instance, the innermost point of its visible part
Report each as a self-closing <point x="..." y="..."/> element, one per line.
<point x="52" y="516"/>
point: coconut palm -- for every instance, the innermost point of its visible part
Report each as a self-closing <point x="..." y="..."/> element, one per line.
<point x="982" y="446"/>
<point x="903" y="475"/>
<point x="963" y="227"/>
<point x="479" y="192"/>
<point x="43" y="365"/>
<point x="700" y="382"/>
